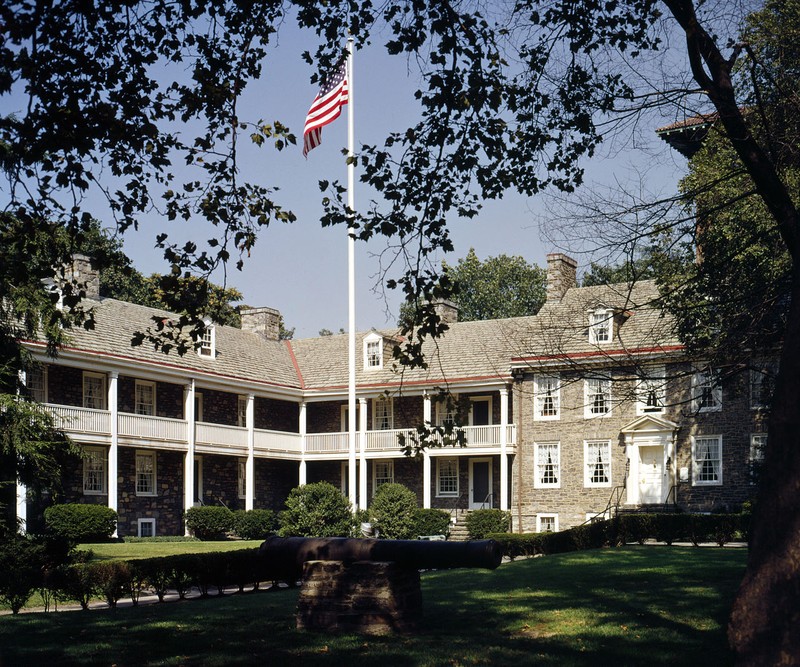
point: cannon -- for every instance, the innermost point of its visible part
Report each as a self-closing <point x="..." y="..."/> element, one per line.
<point x="285" y="556"/>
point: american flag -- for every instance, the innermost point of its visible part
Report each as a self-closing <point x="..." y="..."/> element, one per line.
<point x="326" y="107"/>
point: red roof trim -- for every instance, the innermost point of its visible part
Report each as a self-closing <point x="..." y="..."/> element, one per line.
<point x="414" y="383"/>
<point x="296" y="365"/>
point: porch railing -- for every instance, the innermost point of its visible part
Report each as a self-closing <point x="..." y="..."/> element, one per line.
<point x="151" y="428"/>
<point x="220" y="435"/>
<point x="84" y="420"/>
<point x="277" y="441"/>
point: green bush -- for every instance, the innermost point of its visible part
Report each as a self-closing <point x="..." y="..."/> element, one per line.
<point x="316" y="510"/>
<point x="481" y="523"/>
<point x="254" y="524"/>
<point x="78" y="522"/>
<point x="432" y="522"/>
<point x="394" y="512"/>
<point x="113" y="580"/>
<point x="209" y="522"/>
<point x="21" y="563"/>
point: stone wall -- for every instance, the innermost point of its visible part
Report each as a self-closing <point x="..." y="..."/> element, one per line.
<point x="64" y="385"/>
<point x="275" y="415"/>
<point x="166" y="506"/>
<point x="221" y="481"/>
<point x="219" y="407"/>
<point x="274" y="480"/>
<point x="169" y="397"/>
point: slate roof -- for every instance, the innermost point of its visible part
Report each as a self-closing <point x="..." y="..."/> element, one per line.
<point x="480" y="352"/>
<point x="240" y="354"/>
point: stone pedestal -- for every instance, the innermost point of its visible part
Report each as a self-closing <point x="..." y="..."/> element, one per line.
<point x="364" y="596"/>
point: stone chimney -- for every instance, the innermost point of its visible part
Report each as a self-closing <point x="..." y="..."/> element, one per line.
<point x="83" y="272"/>
<point x="266" y="322"/>
<point x="561" y="275"/>
<point x="446" y="310"/>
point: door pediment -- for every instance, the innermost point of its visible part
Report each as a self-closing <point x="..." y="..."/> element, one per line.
<point x="648" y="425"/>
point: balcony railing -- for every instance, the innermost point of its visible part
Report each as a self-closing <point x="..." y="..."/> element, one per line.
<point x="81" y="420"/>
<point x="145" y="427"/>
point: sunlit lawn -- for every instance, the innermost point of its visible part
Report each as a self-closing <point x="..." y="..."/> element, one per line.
<point x="133" y="550"/>
<point x="631" y="606"/>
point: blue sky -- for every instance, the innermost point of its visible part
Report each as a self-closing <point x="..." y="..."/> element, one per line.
<point x="301" y="269"/>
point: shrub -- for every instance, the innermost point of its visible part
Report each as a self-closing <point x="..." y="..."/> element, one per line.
<point x="394" y="512"/>
<point x="80" y="583"/>
<point x="113" y="580"/>
<point x="209" y="522"/>
<point x="78" y="522"/>
<point x="432" y="522"/>
<point x="21" y="562"/>
<point x="254" y="524"/>
<point x="480" y="523"/>
<point x="316" y="510"/>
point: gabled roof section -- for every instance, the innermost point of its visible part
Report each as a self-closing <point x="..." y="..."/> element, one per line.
<point x="649" y="424"/>
<point x="687" y="135"/>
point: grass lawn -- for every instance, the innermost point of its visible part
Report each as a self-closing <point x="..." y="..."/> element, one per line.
<point x="133" y="550"/>
<point x="631" y="606"/>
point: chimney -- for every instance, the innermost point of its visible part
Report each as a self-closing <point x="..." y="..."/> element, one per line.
<point x="446" y="310"/>
<point x="266" y="322"/>
<point x="561" y="275"/>
<point x="82" y="272"/>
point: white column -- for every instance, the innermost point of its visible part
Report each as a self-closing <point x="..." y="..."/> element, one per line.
<point x="22" y="506"/>
<point x="351" y="282"/>
<point x="426" y="457"/>
<point x="113" y="450"/>
<point x="302" y="428"/>
<point x="362" y="468"/>
<point x="250" y="466"/>
<point x="188" y="467"/>
<point x="504" y="449"/>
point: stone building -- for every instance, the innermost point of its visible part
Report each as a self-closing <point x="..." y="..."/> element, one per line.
<point x="588" y="405"/>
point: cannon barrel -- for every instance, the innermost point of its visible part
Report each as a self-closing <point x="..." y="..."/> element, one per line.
<point x="285" y="555"/>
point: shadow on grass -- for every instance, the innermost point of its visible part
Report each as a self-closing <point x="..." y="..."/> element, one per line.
<point x="628" y="606"/>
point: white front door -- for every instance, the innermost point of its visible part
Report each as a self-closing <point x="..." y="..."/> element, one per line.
<point x="651" y="464"/>
<point x="480" y="484"/>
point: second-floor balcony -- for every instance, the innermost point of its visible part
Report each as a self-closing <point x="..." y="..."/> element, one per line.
<point x="95" y="426"/>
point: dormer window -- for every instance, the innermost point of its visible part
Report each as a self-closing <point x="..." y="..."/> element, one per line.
<point x="373" y="352"/>
<point x="207" y="340"/>
<point x="601" y="324"/>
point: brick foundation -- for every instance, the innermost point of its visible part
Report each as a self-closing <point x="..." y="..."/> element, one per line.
<point x="364" y="596"/>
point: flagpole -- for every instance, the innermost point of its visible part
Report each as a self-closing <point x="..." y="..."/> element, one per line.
<point x="351" y="279"/>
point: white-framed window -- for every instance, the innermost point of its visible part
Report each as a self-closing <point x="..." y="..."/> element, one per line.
<point x="547" y="465"/>
<point x="145" y="473"/>
<point x="597" y="463"/>
<point x="95" y="475"/>
<point x="208" y="340"/>
<point x="382" y="413"/>
<point x="241" y="411"/>
<point x="36" y="382"/>
<point x="373" y="352"/>
<point x="706" y="391"/>
<point x="598" y="397"/>
<point x="146" y="528"/>
<point x="382" y="473"/>
<point x="94" y="390"/>
<point x="547" y="523"/>
<point x="601" y="326"/>
<point x="546" y="397"/>
<point x="707" y="460"/>
<point x="145" y="398"/>
<point x="446" y="477"/>
<point x="762" y="386"/>
<point x="241" y="476"/>
<point x="198" y="479"/>
<point x="651" y="391"/>
<point x="758" y="446"/>
<point x="480" y="411"/>
<point x="446" y="411"/>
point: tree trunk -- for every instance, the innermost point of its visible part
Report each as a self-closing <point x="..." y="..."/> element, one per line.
<point x="765" y="622"/>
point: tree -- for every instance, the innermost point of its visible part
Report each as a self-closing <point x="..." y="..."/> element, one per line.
<point x="498" y="287"/>
<point x="507" y="101"/>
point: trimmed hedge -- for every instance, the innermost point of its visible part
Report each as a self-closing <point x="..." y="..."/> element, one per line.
<point x="394" y="512"/>
<point x="78" y="522"/>
<point x="432" y="522"/>
<point x="209" y="522"/>
<point x="316" y="510"/>
<point x="254" y="524"/>
<point x="481" y="523"/>
<point x="669" y="528"/>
